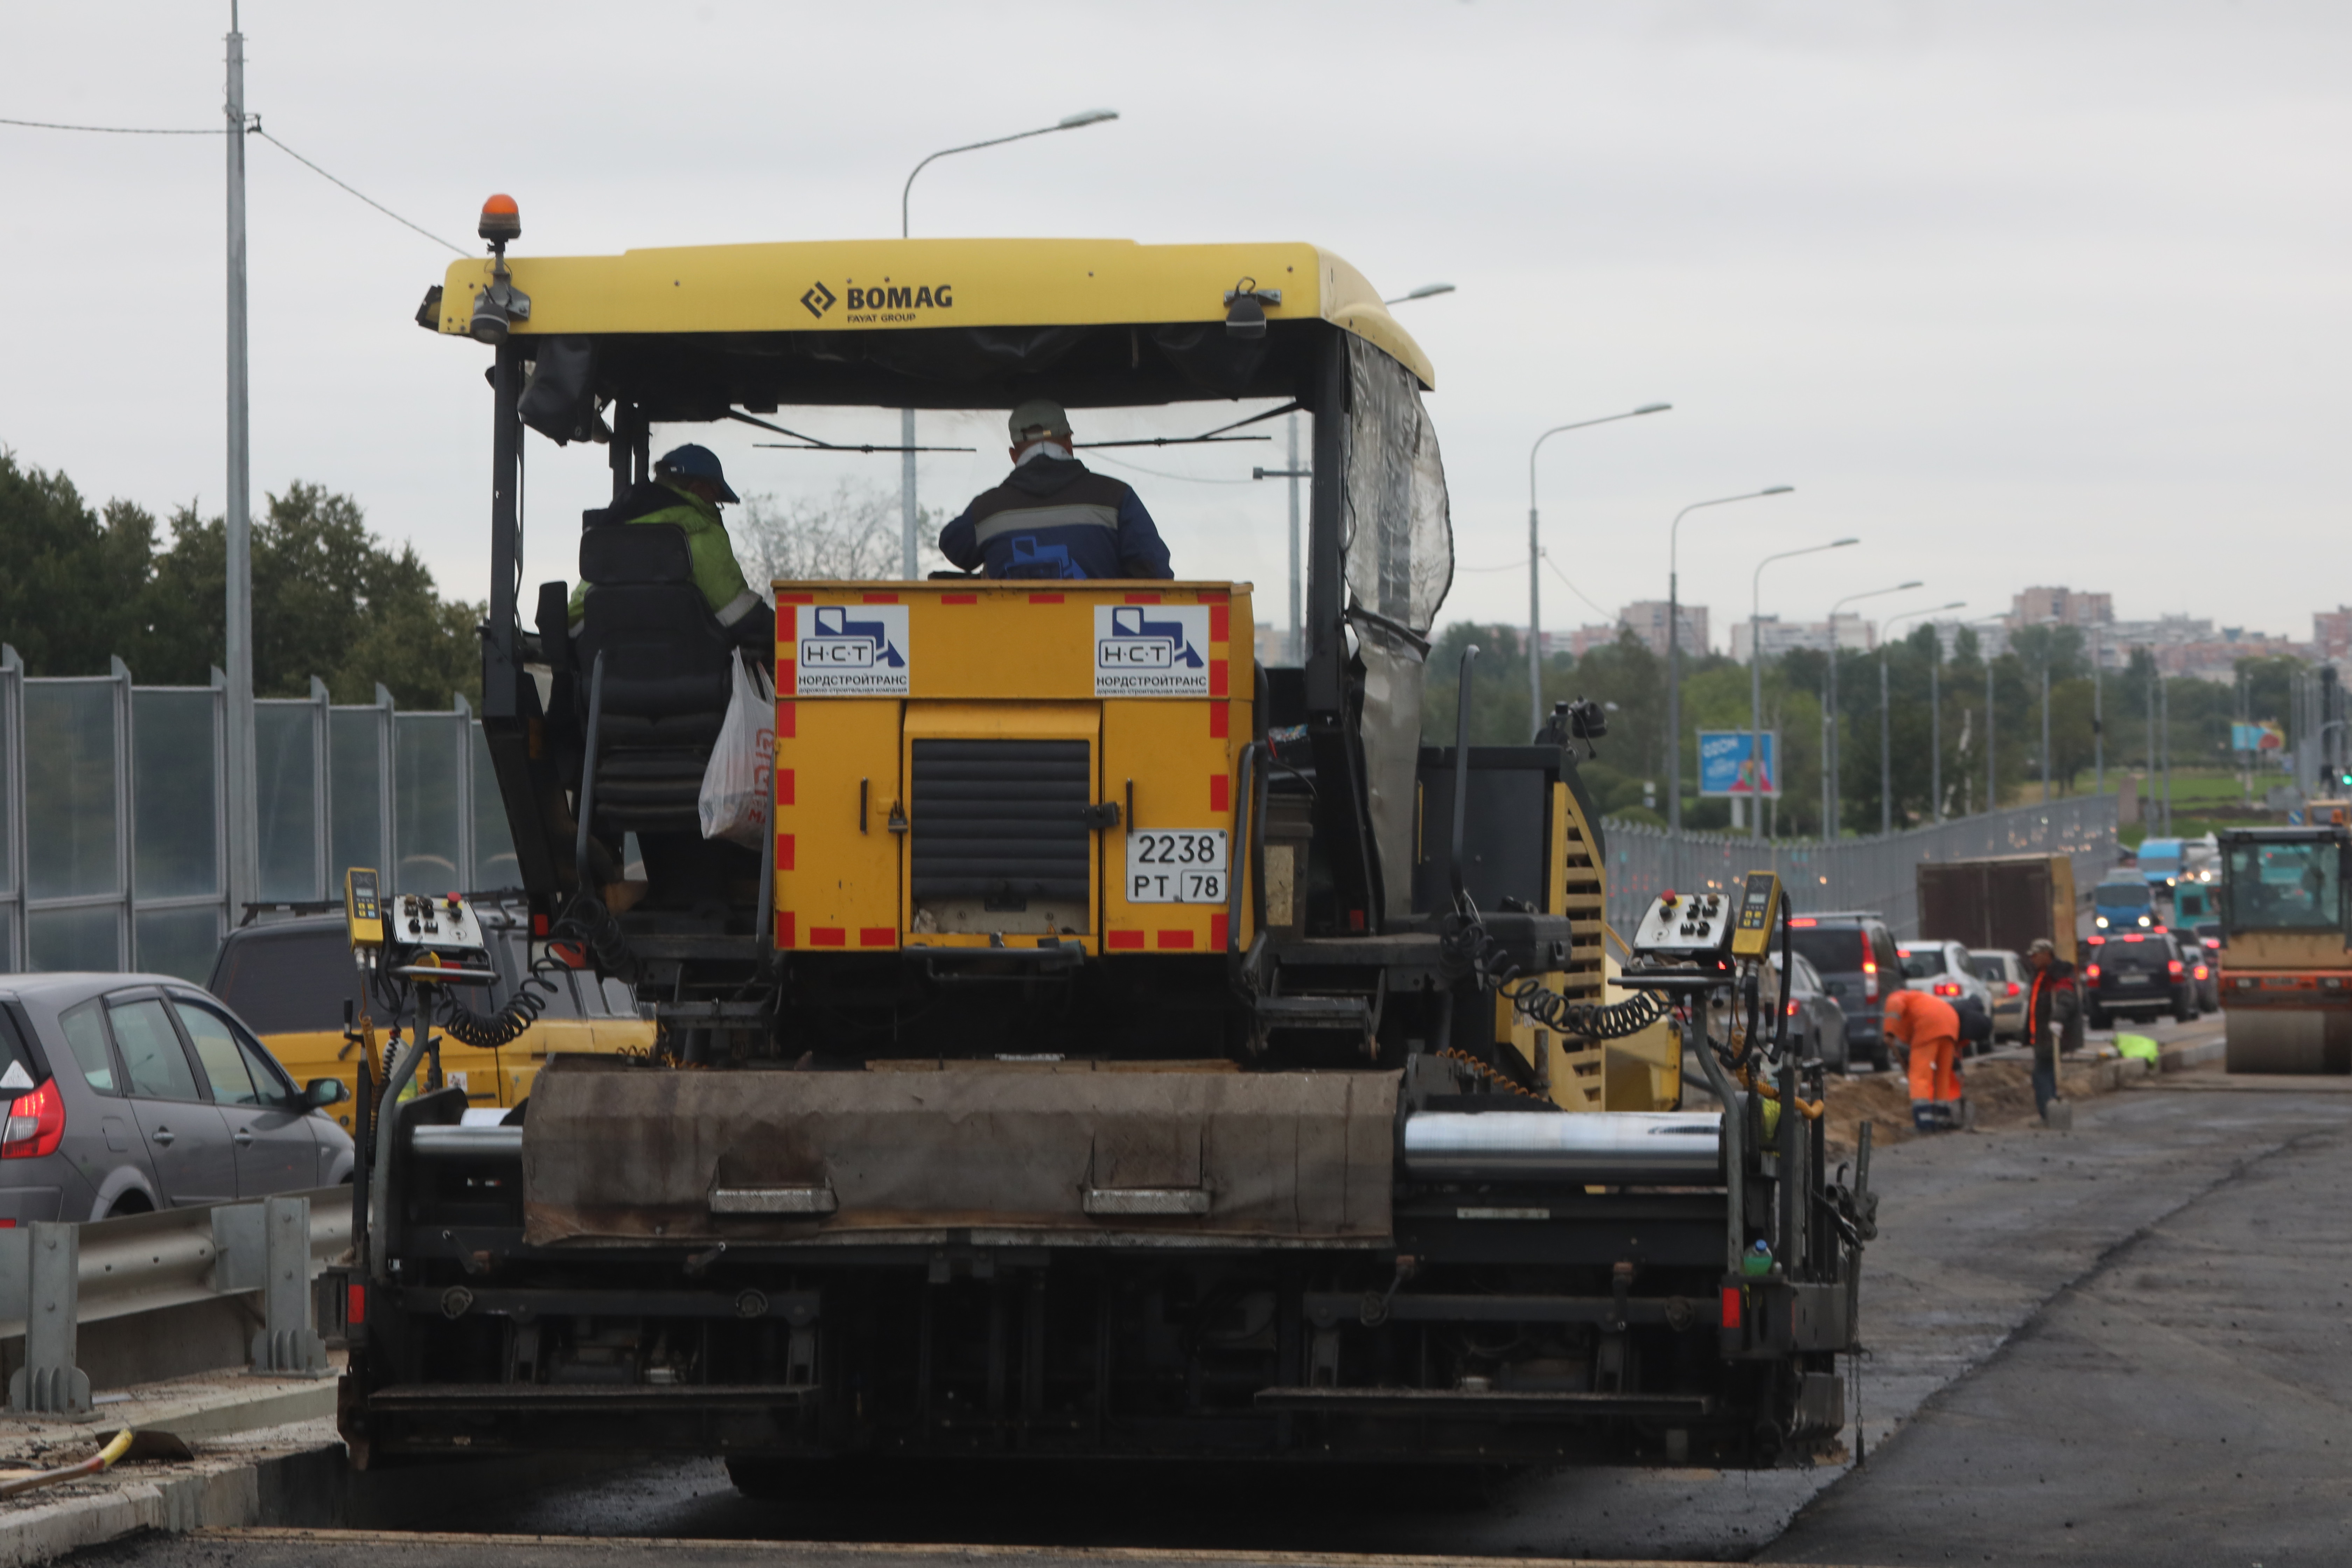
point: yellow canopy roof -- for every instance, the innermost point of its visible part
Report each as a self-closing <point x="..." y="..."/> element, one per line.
<point x="897" y="284"/>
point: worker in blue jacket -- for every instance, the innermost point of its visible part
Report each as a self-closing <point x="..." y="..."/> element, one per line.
<point x="1053" y="516"/>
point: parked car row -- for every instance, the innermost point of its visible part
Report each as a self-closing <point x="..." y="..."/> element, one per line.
<point x="1848" y="963"/>
<point x="1855" y="954"/>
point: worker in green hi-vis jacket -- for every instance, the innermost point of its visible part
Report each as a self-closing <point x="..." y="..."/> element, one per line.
<point x="688" y="488"/>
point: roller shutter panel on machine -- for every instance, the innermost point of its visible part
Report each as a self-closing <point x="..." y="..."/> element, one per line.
<point x="1001" y="820"/>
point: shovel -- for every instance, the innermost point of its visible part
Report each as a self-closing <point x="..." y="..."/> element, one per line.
<point x="127" y="1445"/>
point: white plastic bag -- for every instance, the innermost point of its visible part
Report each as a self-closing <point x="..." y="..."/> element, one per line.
<point x="741" y="778"/>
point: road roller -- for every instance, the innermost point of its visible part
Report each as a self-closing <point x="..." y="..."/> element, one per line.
<point x="2286" y="964"/>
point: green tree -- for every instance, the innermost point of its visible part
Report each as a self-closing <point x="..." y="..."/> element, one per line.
<point x="1629" y="681"/>
<point x="1625" y="677"/>
<point x="2071" y="739"/>
<point x="1894" y="744"/>
<point x="2062" y="648"/>
<point x="72" y="579"/>
<point x="330" y="599"/>
<point x="1499" y="686"/>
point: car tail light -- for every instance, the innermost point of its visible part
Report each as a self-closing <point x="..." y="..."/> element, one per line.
<point x="2014" y="988"/>
<point x="1804" y="920"/>
<point x="2091" y="973"/>
<point x="1792" y="1008"/>
<point x="1870" y="980"/>
<point x="37" y="1124"/>
<point x="2201" y="972"/>
<point x="2172" y="967"/>
<point x="1948" y="988"/>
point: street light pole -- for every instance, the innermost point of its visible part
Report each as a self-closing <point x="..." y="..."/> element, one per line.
<point x="1756" y="684"/>
<point x="1535" y="542"/>
<point x="2164" y="732"/>
<point x="1297" y="644"/>
<point x="1886" y="723"/>
<point x="2098" y="719"/>
<point x="244" y="824"/>
<point x="2045" y="728"/>
<point x="2048" y="636"/>
<point x="910" y="513"/>
<point x="1830" y="748"/>
<point x="1936" y="719"/>
<point x="1992" y="755"/>
<point x="1674" y="646"/>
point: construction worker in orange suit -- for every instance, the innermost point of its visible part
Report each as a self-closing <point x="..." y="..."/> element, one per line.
<point x="1931" y="1028"/>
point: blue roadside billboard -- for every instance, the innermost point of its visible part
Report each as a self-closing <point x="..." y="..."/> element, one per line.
<point x="1726" y="767"/>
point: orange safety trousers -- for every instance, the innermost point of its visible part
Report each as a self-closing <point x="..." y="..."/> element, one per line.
<point x="1934" y="1069"/>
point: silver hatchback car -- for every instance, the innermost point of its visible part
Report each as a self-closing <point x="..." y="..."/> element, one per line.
<point x="130" y="1092"/>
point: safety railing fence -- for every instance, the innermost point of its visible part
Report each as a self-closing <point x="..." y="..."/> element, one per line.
<point x="113" y="813"/>
<point x="1877" y="873"/>
<point x="56" y="1277"/>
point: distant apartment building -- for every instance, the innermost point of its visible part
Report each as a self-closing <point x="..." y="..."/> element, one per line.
<point x="1992" y="638"/>
<point x="2036" y="605"/>
<point x="2164" y="637"/>
<point x="1648" y="619"/>
<point x="1780" y="636"/>
<point x="2187" y="644"/>
<point x="2217" y="660"/>
<point x="1584" y="639"/>
<point x="2331" y="633"/>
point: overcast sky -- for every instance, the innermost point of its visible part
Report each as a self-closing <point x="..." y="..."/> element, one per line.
<point x="2015" y="293"/>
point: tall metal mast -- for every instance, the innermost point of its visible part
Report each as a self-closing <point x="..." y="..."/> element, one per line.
<point x="244" y="825"/>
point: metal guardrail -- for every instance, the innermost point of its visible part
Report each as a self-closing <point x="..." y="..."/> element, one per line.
<point x="56" y="1277"/>
<point x="1879" y="872"/>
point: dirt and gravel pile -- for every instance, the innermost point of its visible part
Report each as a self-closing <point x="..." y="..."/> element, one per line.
<point x="2002" y="1093"/>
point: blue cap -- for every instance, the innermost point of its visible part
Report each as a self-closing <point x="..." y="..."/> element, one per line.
<point x="693" y="462"/>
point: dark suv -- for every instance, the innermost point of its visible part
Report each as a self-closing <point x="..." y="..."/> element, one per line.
<point x="2142" y="972"/>
<point x="1855" y="956"/>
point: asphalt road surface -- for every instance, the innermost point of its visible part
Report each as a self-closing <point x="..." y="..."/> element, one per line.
<point x="2127" y="1344"/>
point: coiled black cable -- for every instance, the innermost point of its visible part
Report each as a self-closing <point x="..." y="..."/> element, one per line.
<point x="1588" y="1020"/>
<point x="586" y="924"/>
<point x="1468" y="948"/>
<point x="492" y="1031"/>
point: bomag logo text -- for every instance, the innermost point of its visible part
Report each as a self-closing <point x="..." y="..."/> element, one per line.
<point x="903" y="297"/>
